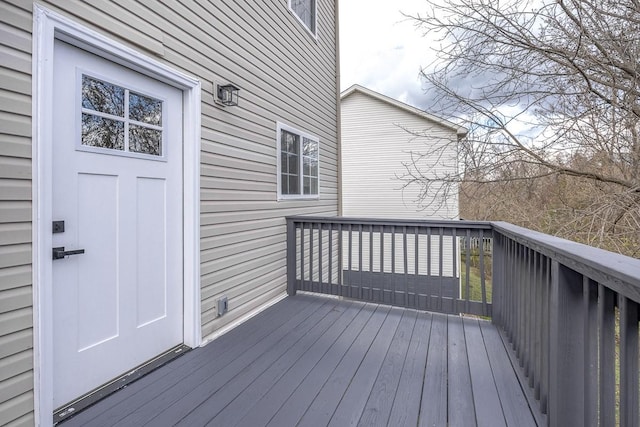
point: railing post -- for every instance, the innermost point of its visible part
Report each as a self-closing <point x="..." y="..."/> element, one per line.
<point x="566" y="352"/>
<point x="497" y="279"/>
<point x="291" y="257"/>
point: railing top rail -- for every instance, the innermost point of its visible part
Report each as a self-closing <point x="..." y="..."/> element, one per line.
<point x="619" y="272"/>
<point x="480" y="225"/>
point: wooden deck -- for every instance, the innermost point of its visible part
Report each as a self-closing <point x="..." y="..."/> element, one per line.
<point x="314" y="361"/>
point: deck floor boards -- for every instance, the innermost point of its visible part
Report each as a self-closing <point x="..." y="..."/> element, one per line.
<point x="310" y="360"/>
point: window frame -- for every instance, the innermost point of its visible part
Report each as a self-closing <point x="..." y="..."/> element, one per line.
<point x="302" y="135"/>
<point x="314" y="32"/>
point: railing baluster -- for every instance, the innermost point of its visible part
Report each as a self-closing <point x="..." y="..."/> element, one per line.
<point x="330" y="261"/>
<point x="628" y="362"/>
<point x="440" y="268"/>
<point x="483" y="282"/>
<point x="302" y="285"/>
<point x="607" y="357"/>
<point x="393" y="264"/>
<point x="416" y="283"/>
<point x="590" y="313"/>
<point x="467" y="268"/>
<point x="566" y="389"/>
<point x="371" y="275"/>
<point x="382" y="272"/>
<point x="429" y="286"/>
<point x="321" y="284"/>
<point x="406" y="266"/>
<point x="350" y="262"/>
<point x="340" y="259"/>
<point x="360" y="261"/>
<point x="311" y="281"/>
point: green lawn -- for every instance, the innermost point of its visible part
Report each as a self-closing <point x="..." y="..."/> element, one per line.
<point x="475" y="284"/>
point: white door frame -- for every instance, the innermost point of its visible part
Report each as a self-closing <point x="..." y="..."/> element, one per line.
<point x="48" y="26"/>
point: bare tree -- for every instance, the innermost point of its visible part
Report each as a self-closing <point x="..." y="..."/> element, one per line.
<point x="550" y="93"/>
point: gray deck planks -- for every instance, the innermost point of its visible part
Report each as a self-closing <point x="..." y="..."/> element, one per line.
<point x="433" y="408"/>
<point x="266" y="407"/>
<point x="353" y="402"/>
<point x="313" y="360"/>
<point x="327" y="400"/>
<point x="485" y="394"/>
<point x="239" y="405"/>
<point x="380" y="402"/>
<point x="406" y="404"/>
<point x="212" y="373"/>
<point x="514" y="403"/>
<point x="211" y="396"/>
<point x="295" y="406"/>
<point x="460" y="406"/>
<point x="224" y="350"/>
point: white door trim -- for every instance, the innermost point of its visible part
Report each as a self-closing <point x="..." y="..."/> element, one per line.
<point x="48" y="26"/>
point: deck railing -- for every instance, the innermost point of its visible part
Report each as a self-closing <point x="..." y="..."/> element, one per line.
<point x="569" y="311"/>
<point x="405" y="263"/>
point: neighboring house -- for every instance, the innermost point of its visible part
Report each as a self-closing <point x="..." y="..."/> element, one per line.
<point x="378" y="136"/>
<point x="113" y="141"/>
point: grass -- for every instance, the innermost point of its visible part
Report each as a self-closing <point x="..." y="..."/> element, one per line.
<point x="475" y="283"/>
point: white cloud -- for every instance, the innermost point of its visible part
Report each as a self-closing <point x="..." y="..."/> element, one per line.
<point x="381" y="49"/>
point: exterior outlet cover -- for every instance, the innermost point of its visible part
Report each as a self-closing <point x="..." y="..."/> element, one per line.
<point x="223" y="306"/>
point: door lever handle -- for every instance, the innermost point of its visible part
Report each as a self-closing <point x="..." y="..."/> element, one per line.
<point x="60" y="253"/>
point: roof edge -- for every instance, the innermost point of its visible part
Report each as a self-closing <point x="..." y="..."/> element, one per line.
<point x="461" y="131"/>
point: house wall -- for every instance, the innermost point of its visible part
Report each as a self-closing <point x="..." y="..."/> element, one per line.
<point x="374" y="148"/>
<point x="284" y="75"/>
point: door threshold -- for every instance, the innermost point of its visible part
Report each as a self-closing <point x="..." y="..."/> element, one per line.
<point x="72" y="408"/>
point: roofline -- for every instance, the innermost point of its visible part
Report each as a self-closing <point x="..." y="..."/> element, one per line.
<point x="460" y="130"/>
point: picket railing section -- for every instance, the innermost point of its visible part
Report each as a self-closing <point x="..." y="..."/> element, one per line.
<point x="436" y="266"/>
<point x="570" y="312"/>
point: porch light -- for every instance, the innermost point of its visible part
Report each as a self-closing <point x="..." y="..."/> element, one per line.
<point x="228" y="94"/>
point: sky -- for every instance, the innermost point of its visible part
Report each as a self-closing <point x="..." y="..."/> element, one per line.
<point x="383" y="50"/>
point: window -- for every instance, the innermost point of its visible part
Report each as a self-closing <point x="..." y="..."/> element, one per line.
<point x="305" y="10"/>
<point x="119" y="120"/>
<point x="298" y="175"/>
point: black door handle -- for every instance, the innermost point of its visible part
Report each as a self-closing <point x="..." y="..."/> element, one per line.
<point x="59" y="253"/>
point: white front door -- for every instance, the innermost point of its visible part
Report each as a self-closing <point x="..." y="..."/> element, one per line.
<point x="117" y="185"/>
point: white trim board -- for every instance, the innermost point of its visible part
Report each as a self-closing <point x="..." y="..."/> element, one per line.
<point x="48" y="26"/>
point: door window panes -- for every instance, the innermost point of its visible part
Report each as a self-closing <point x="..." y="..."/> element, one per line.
<point x="115" y="118"/>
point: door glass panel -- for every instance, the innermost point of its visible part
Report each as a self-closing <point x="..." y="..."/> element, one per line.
<point x="145" y="109"/>
<point x="116" y="118"/>
<point x="102" y="132"/>
<point x="102" y="96"/>
<point x="145" y="140"/>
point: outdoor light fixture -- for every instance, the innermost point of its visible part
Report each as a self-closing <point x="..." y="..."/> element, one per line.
<point x="228" y="94"/>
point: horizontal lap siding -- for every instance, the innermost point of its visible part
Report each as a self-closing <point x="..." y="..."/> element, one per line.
<point x="374" y="148"/>
<point x="16" y="332"/>
<point x="284" y="75"/>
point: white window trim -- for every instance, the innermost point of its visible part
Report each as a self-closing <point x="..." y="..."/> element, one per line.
<point x="280" y="127"/>
<point x="48" y="26"/>
<point x="314" y="34"/>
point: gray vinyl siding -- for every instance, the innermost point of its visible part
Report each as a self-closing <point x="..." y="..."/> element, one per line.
<point x="284" y="74"/>
<point x="16" y="315"/>
<point x="375" y="145"/>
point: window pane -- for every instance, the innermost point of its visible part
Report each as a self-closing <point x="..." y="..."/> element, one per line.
<point x="102" y="96"/>
<point x="294" y="185"/>
<point x="145" y="140"/>
<point x="145" y="109"/>
<point x="294" y="165"/>
<point x="101" y="132"/>
<point x="305" y="9"/>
